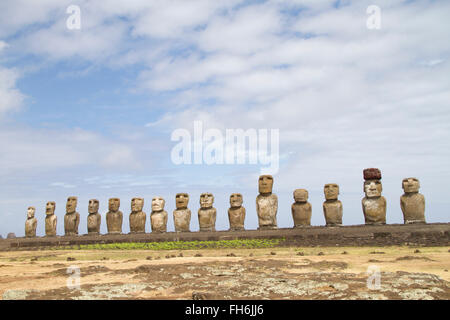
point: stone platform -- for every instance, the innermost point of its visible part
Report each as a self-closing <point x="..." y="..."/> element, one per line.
<point x="432" y="234"/>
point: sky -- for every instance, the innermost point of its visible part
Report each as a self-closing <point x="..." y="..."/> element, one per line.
<point x="90" y="112"/>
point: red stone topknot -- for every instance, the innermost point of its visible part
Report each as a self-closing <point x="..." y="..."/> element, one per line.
<point x="372" y="174"/>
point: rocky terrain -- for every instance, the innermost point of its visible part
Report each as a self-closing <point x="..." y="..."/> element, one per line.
<point x="271" y="273"/>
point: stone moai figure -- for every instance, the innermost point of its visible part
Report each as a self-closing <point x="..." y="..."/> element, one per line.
<point x="50" y="219"/>
<point x="94" y="218"/>
<point x="236" y="212"/>
<point x="412" y="202"/>
<point x="31" y="223"/>
<point x="158" y="217"/>
<point x="137" y="216"/>
<point x="72" y="217"/>
<point x="207" y="213"/>
<point x="266" y="203"/>
<point x="114" y="217"/>
<point x="301" y="209"/>
<point x="332" y="207"/>
<point x="374" y="204"/>
<point x="182" y="215"/>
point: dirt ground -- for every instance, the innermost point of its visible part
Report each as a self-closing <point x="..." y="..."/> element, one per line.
<point x="275" y="273"/>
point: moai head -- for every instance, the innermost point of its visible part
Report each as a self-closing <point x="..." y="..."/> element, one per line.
<point x="114" y="204"/>
<point x="372" y="185"/>
<point x="93" y="206"/>
<point x="158" y="204"/>
<point x="411" y="185"/>
<point x="301" y="195"/>
<point x="265" y="183"/>
<point x="30" y="212"/>
<point x="71" y="205"/>
<point x="181" y="200"/>
<point x="331" y="191"/>
<point x="206" y="200"/>
<point x="137" y="204"/>
<point x="236" y="200"/>
<point x="50" y="208"/>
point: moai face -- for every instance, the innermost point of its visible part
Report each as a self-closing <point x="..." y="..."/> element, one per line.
<point x="71" y="205"/>
<point x="206" y="200"/>
<point x="331" y="191"/>
<point x="265" y="184"/>
<point x="411" y="185"/>
<point x="373" y="188"/>
<point x="30" y="212"/>
<point x="137" y="204"/>
<point x="236" y="200"/>
<point x="50" y="208"/>
<point x="93" y="206"/>
<point x="182" y="200"/>
<point x="301" y="195"/>
<point x="114" y="204"/>
<point x="158" y="204"/>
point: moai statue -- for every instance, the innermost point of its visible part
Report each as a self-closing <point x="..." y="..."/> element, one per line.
<point x="158" y="217"/>
<point x="114" y="217"/>
<point x="374" y="204"/>
<point x="207" y="213"/>
<point x="412" y="202"/>
<point x="94" y="218"/>
<point x="71" y="218"/>
<point x="137" y="216"/>
<point x="332" y="207"/>
<point x="31" y="223"/>
<point x="236" y="212"/>
<point x="182" y="215"/>
<point x="266" y="203"/>
<point x="301" y="209"/>
<point x="50" y="219"/>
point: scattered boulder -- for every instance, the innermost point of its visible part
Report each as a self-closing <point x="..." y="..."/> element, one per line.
<point x="198" y="255"/>
<point x="320" y="253"/>
<point x="71" y="259"/>
<point x="273" y="253"/>
<point x="300" y="253"/>
<point x="345" y="252"/>
<point x="149" y="258"/>
<point x="11" y="235"/>
<point x="250" y="255"/>
<point x="180" y="254"/>
<point x="417" y="251"/>
<point x="231" y="254"/>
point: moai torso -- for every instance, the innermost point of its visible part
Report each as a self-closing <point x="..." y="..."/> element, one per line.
<point x="236" y="212"/>
<point x="50" y="219"/>
<point x="114" y="217"/>
<point x="94" y="219"/>
<point x="301" y="209"/>
<point x="412" y="202"/>
<point x="373" y="204"/>
<point x="30" y="223"/>
<point x="72" y="218"/>
<point x="332" y="207"/>
<point x="137" y="216"/>
<point x="158" y="217"/>
<point x="182" y="215"/>
<point x="266" y="203"/>
<point x="207" y="213"/>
